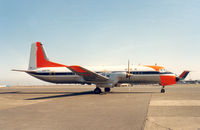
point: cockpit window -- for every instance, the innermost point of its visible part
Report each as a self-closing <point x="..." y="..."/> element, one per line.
<point x="163" y="70"/>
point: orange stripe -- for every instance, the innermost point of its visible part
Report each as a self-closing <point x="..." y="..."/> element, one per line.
<point x="156" y="68"/>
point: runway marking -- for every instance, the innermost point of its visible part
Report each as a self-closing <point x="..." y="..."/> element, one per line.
<point x="175" y="103"/>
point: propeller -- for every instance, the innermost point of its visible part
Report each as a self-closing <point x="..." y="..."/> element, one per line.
<point x="128" y="74"/>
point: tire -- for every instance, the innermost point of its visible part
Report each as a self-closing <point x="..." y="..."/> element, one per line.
<point x="97" y="90"/>
<point x="107" y="89"/>
<point x="162" y="91"/>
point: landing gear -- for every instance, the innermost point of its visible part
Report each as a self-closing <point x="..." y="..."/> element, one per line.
<point x="97" y="90"/>
<point x="163" y="89"/>
<point x="107" y="89"/>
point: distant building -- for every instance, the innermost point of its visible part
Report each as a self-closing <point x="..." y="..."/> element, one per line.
<point x="189" y="82"/>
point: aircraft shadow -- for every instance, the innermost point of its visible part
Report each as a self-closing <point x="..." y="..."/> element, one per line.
<point x="19" y="92"/>
<point x="64" y="95"/>
<point x="87" y="93"/>
<point x="69" y="94"/>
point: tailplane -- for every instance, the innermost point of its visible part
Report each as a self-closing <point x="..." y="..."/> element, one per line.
<point x="39" y="59"/>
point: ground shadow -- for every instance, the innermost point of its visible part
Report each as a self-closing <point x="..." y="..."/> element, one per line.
<point x="41" y="92"/>
<point x="87" y="93"/>
<point x="69" y="94"/>
<point x="63" y="95"/>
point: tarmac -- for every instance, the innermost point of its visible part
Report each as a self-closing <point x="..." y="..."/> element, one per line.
<point x="76" y="107"/>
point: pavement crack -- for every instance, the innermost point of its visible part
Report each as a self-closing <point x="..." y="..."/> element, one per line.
<point x="158" y="124"/>
<point x="144" y="123"/>
<point x="147" y="120"/>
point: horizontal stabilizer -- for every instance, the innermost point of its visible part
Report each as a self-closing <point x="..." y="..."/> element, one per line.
<point x="23" y="70"/>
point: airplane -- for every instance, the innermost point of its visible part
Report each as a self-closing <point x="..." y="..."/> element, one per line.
<point x="3" y="86"/>
<point x="42" y="68"/>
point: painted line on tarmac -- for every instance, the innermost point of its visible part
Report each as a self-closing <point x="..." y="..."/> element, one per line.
<point x="175" y="103"/>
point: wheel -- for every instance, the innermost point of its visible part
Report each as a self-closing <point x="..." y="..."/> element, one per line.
<point x="107" y="89"/>
<point x="162" y="90"/>
<point x="97" y="90"/>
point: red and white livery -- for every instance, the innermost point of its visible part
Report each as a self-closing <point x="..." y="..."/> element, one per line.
<point x="103" y="77"/>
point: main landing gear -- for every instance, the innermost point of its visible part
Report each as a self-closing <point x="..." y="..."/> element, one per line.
<point x="97" y="90"/>
<point x="107" y="89"/>
<point x="163" y="89"/>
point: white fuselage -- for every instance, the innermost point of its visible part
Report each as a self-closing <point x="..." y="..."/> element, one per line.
<point x="140" y="74"/>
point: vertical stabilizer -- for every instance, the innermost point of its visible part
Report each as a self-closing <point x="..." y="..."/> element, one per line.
<point x="184" y="75"/>
<point x="39" y="59"/>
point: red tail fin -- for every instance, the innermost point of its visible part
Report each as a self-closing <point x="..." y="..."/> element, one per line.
<point x="42" y="60"/>
<point x="184" y="75"/>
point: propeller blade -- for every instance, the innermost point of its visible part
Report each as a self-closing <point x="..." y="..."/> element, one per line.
<point x="128" y="67"/>
<point x="128" y="75"/>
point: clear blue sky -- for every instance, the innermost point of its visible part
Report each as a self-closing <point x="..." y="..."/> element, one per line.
<point x="100" y="32"/>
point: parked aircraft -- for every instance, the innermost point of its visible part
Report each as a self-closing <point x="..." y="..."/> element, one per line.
<point x="103" y="77"/>
<point x="3" y="86"/>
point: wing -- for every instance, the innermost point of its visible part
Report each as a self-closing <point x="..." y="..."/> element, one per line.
<point x="88" y="75"/>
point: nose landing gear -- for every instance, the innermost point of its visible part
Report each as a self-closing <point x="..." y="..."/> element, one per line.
<point x="163" y="89"/>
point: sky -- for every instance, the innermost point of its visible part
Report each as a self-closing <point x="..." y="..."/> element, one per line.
<point x="100" y="32"/>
